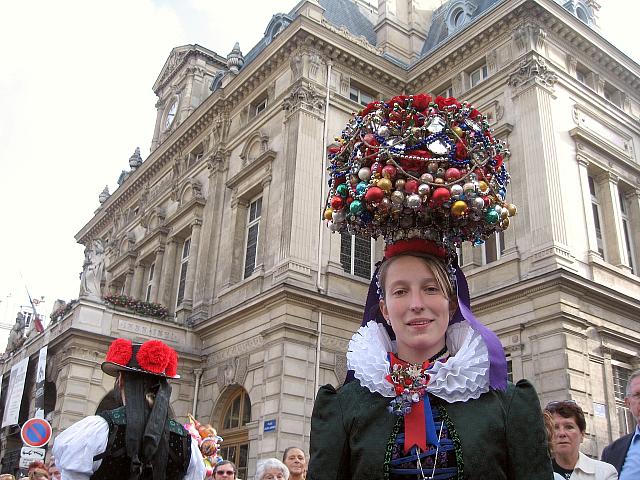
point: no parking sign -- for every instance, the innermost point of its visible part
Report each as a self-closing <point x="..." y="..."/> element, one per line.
<point x="36" y="432"/>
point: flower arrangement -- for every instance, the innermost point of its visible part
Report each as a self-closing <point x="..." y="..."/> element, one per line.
<point x="148" y="309"/>
<point x="60" y="313"/>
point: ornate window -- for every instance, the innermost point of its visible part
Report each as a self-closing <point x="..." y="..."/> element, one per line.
<point x="494" y="247"/>
<point x="621" y="372"/>
<point x="359" y="94"/>
<point x="597" y="220"/>
<point x="356" y="255"/>
<point x="629" y="249"/>
<point x="478" y="75"/>
<point x="258" y="105"/>
<point x="184" y="265"/>
<point x="253" y="230"/>
<point x="150" y="274"/>
<point x="237" y="413"/>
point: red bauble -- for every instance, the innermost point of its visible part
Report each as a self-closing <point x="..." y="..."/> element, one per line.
<point x="370" y="139"/>
<point x="389" y="171"/>
<point x="411" y="186"/>
<point x="440" y="195"/>
<point x="374" y="195"/>
<point x="337" y="203"/>
<point x="120" y="351"/>
<point x="452" y="174"/>
<point x="499" y="160"/>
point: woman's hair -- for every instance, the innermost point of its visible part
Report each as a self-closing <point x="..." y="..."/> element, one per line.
<point x="548" y="425"/>
<point x="435" y="264"/>
<point x="269" y="463"/>
<point x="227" y="462"/>
<point x="288" y="449"/>
<point x="568" y="409"/>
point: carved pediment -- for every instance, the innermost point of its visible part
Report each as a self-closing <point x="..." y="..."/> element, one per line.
<point x="256" y="145"/>
<point x="177" y="58"/>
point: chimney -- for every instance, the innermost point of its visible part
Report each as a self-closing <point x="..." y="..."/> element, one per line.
<point x="403" y="26"/>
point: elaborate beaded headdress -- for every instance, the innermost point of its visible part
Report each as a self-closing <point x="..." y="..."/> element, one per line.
<point x="426" y="174"/>
<point x="417" y="167"/>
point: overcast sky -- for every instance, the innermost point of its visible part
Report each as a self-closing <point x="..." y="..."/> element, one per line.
<point x="76" y="100"/>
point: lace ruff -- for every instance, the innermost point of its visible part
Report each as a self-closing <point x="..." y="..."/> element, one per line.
<point x="464" y="376"/>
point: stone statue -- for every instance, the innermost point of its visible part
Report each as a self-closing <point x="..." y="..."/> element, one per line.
<point x="92" y="271"/>
<point x="16" y="336"/>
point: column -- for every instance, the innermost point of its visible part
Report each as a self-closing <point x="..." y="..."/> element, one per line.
<point x="583" y="169"/>
<point x="166" y="278"/>
<point x="633" y="202"/>
<point x="613" y="238"/>
<point x="193" y="262"/>
<point x="264" y="225"/>
<point x="155" y="282"/>
<point x="128" y="280"/>
<point x="138" y="273"/>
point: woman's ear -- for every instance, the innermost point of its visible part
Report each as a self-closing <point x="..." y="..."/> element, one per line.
<point x="384" y="311"/>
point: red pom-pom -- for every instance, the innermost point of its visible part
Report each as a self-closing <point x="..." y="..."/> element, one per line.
<point x="172" y="366"/>
<point x="153" y="356"/>
<point x="120" y="351"/>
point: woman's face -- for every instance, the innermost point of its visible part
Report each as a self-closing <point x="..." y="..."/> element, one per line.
<point x="273" y="474"/>
<point x="567" y="436"/>
<point x="295" y="461"/>
<point x="416" y="308"/>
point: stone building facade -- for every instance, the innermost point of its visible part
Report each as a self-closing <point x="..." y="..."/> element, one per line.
<point x="220" y="223"/>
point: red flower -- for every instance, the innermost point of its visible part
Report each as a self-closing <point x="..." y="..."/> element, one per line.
<point x="446" y="102"/>
<point x="369" y="108"/>
<point x="474" y="114"/>
<point x="421" y="101"/>
<point x="400" y="100"/>
<point x="120" y="351"/>
<point x="154" y="356"/>
<point x="172" y="366"/>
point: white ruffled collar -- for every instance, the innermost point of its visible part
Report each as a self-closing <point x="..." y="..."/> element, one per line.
<point x="464" y="376"/>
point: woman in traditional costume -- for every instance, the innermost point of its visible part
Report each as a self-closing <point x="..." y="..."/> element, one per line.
<point x="427" y="395"/>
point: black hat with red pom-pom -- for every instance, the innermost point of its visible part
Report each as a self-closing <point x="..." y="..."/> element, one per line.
<point x="152" y="358"/>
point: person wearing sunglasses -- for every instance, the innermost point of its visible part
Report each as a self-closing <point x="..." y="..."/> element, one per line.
<point x="624" y="453"/>
<point x="225" y="470"/>
<point x="569" y="426"/>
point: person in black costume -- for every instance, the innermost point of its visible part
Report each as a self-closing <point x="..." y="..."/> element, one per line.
<point x="138" y="440"/>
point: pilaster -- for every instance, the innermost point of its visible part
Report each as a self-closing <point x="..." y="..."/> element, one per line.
<point x="613" y="235"/>
<point x="136" y="285"/>
<point x="168" y="270"/>
<point x="532" y="85"/>
<point x="194" y="248"/>
<point x="583" y="169"/>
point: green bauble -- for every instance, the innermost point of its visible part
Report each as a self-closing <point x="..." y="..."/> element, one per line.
<point x="492" y="216"/>
<point x="342" y="190"/>
<point x="356" y="207"/>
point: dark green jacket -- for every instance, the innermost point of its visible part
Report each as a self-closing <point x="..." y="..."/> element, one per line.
<point x="502" y="434"/>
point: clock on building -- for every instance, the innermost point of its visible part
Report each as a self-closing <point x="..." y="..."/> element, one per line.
<point x="171" y="114"/>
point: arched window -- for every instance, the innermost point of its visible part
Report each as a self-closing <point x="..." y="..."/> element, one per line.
<point x="457" y="17"/>
<point x="236" y="415"/>
<point x="582" y="14"/>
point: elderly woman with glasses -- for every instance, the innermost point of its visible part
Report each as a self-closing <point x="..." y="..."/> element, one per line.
<point x="569" y="427"/>
<point x="271" y="469"/>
